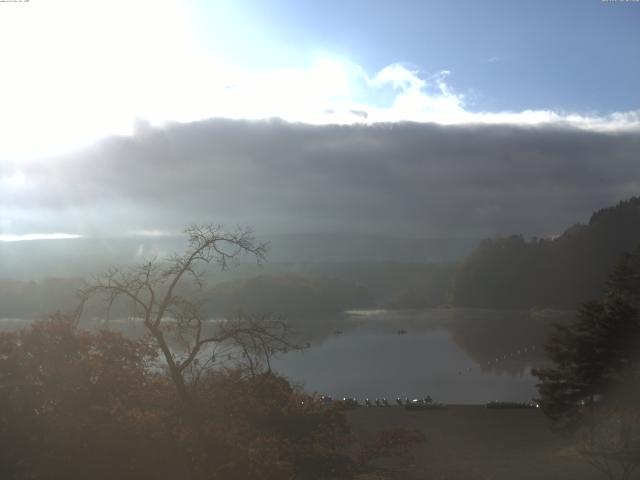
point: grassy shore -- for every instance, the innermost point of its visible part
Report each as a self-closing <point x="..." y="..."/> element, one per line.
<point x="477" y="443"/>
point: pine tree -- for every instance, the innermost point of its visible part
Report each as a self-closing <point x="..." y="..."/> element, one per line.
<point x="593" y="388"/>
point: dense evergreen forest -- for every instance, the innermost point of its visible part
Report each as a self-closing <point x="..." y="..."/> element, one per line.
<point x="513" y="272"/>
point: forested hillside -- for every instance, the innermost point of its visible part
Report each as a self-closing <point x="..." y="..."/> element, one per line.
<point x="512" y="272"/>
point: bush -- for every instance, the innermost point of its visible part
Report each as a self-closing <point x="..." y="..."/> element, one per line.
<point x="78" y="405"/>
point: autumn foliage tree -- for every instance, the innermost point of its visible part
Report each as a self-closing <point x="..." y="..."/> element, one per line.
<point x="76" y="404"/>
<point x="71" y="402"/>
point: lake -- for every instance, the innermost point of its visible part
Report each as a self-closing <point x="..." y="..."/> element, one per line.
<point x="457" y="356"/>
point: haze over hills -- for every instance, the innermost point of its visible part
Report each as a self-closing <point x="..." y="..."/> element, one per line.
<point x="29" y="260"/>
<point x="327" y="273"/>
<point x="305" y="275"/>
<point x="373" y="145"/>
<point x="326" y="247"/>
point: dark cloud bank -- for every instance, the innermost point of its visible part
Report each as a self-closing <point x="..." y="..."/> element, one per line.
<point x="394" y="179"/>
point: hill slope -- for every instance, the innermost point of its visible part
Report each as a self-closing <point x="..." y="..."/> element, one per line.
<point x="511" y="272"/>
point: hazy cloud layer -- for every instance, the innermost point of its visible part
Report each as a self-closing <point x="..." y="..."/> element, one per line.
<point x="400" y="179"/>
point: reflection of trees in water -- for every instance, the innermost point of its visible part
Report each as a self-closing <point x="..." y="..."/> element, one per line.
<point x="505" y="341"/>
<point x="304" y="331"/>
<point x="499" y="341"/>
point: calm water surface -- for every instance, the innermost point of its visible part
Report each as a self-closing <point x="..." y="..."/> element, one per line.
<point x="455" y="356"/>
<point x="414" y="354"/>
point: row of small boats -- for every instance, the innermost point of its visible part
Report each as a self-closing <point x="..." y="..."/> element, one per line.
<point x="425" y="403"/>
<point x="409" y="404"/>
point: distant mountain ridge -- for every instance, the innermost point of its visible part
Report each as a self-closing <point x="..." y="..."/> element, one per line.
<point x="81" y="257"/>
<point x="342" y="247"/>
<point x="293" y="296"/>
<point x="511" y="272"/>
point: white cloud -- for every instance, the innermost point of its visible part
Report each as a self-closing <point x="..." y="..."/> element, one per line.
<point x="38" y="236"/>
<point x="77" y="70"/>
<point x="13" y="181"/>
<point x="433" y="100"/>
<point x="417" y="99"/>
<point x="152" y="233"/>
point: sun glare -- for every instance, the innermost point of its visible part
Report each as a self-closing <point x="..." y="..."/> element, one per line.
<point x="77" y="70"/>
<point x="15" y="180"/>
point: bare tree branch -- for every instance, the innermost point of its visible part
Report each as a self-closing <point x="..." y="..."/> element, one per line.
<point x="152" y="290"/>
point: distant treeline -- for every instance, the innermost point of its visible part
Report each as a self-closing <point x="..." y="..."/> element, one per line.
<point x="504" y="272"/>
<point x="289" y="295"/>
<point x="511" y="272"/>
<point x="34" y="300"/>
<point x="392" y="284"/>
<point x="294" y="292"/>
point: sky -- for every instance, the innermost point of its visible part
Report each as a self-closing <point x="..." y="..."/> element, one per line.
<point x="416" y="118"/>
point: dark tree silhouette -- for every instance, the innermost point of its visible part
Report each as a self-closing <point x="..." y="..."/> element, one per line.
<point x="565" y="271"/>
<point x="175" y="322"/>
<point x="78" y="405"/>
<point x="593" y="389"/>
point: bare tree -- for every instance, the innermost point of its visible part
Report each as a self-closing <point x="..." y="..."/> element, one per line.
<point x="154" y="294"/>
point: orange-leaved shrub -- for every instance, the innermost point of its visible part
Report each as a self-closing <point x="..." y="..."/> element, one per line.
<point x="78" y="405"/>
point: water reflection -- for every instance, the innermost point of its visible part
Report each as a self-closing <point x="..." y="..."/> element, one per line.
<point x="505" y="341"/>
<point x="456" y="356"/>
<point x="453" y="355"/>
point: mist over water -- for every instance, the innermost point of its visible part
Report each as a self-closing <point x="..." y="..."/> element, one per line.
<point x="373" y="363"/>
<point x="419" y="353"/>
<point x="457" y="356"/>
